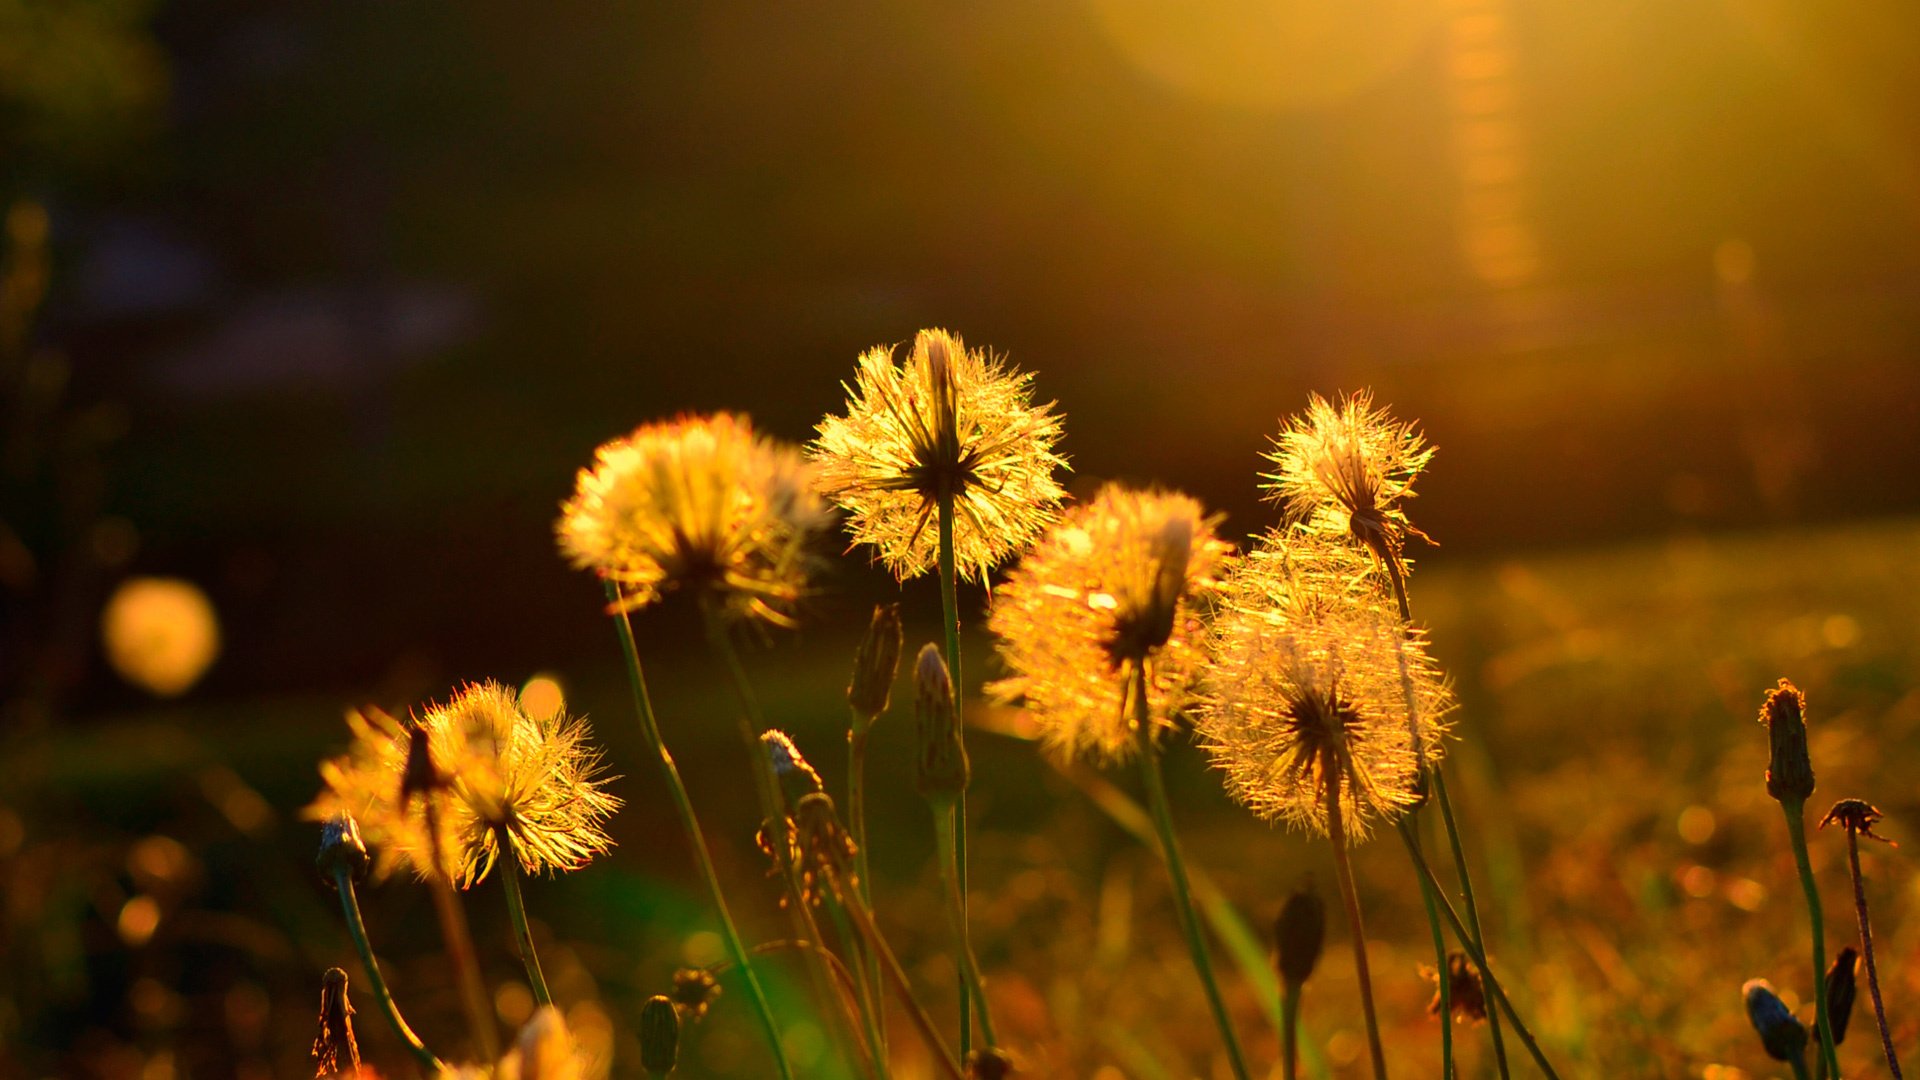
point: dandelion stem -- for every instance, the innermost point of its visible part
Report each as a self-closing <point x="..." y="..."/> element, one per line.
<point x="357" y="929"/>
<point x="1479" y="959"/>
<point x="950" y="623"/>
<point x="458" y="940"/>
<point x="943" y="821"/>
<point x="1443" y="972"/>
<point x="857" y="824"/>
<point x="896" y="976"/>
<point x="1156" y="785"/>
<point x="650" y="728"/>
<point x="517" y="914"/>
<point x="1794" y="809"/>
<point x="1343" y="870"/>
<point x="857" y="996"/>
<point x="1290" y="1031"/>
<point x="1866" y="950"/>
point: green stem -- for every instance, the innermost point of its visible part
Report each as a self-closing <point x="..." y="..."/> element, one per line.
<point x="1866" y="950"/>
<point x="1799" y="1065"/>
<point x="864" y="997"/>
<point x="1479" y="959"/>
<point x="1445" y="970"/>
<point x="857" y="821"/>
<point x="957" y="919"/>
<point x="517" y="914"/>
<point x="1176" y="869"/>
<point x="1290" y="1032"/>
<point x="896" y="975"/>
<point x="459" y="940"/>
<point x="1795" y="809"/>
<point x="1343" y="872"/>
<point x="950" y="623"/>
<point x="650" y="728"/>
<point x="357" y="929"/>
<point x="774" y="812"/>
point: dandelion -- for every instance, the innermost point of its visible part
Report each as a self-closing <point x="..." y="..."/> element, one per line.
<point x="1117" y="582"/>
<point x="1344" y="468"/>
<point x="699" y="503"/>
<point x="949" y="426"/>
<point x="534" y="783"/>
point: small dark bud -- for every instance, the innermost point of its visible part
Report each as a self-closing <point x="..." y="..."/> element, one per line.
<point x="875" y="666"/>
<point x="659" y="1036"/>
<point x="693" y="990"/>
<point x="1840" y="989"/>
<point x="335" y="1051"/>
<point x="341" y="848"/>
<point x="1172" y="551"/>
<point x="1789" y="768"/>
<point x="1784" y="1037"/>
<point x="989" y="1063"/>
<point x="1299" y="934"/>
<point x="943" y="772"/>
<point x="420" y="778"/>
<point x="1465" y="993"/>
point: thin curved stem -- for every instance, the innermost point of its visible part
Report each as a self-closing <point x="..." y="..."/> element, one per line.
<point x="1866" y="950"/>
<point x="1343" y="871"/>
<point x="950" y="624"/>
<point x="859" y="999"/>
<point x="690" y="824"/>
<point x="1176" y="868"/>
<point x="870" y="990"/>
<point x="357" y="930"/>
<point x="517" y="914"/>
<point x="1479" y="959"/>
<point x="1795" y="809"/>
<point x="957" y="919"/>
<point x="896" y="975"/>
<point x="1443" y="969"/>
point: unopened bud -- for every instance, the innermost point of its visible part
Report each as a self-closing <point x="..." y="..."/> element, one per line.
<point x="335" y="1051"/>
<point x="659" y="1036"/>
<point x="875" y="666"/>
<point x="989" y="1063"/>
<point x="420" y="777"/>
<point x="1840" y="988"/>
<point x="1789" y="768"/>
<point x="1299" y="934"/>
<point x="943" y="773"/>
<point x="1784" y="1037"/>
<point x="341" y="848"/>
<point x="797" y="777"/>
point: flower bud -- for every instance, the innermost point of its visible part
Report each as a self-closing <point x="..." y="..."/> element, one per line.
<point x="944" y="772"/>
<point x="1299" y="934"/>
<point x="1789" y="769"/>
<point x="1784" y="1037"/>
<point x="341" y="848"/>
<point x="659" y="1036"/>
<point x="1840" y="988"/>
<point x="335" y="1051"/>
<point x="797" y="777"/>
<point x="989" y="1063"/>
<point x="875" y="666"/>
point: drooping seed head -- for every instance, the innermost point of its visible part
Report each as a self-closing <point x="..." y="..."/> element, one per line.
<point x="943" y="771"/>
<point x="1783" y="1036"/>
<point x="1789" y="768"/>
<point x="949" y="424"/>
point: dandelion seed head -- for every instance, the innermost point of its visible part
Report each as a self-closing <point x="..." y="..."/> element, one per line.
<point x="1308" y="688"/>
<point x="698" y="502"/>
<point x="1117" y="582"/>
<point x="947" y="424"/>
<point x="539" y="780"/>
<point x="1344" y="468"/>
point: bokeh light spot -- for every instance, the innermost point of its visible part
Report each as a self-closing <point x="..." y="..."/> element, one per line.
<point x="702" y="949"/>
<point x="1747" y="894"/>
<point x="1840" y="631"/>
<point x="1696" y="824"/>
<point x="161" y="634"/>
<point x="513" y="1002"/>
<point x="139" y="918"/>
<point x="542" y="696"/>
<point x="804" y="1043"/>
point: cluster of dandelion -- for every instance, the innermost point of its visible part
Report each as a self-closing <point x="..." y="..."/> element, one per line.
<point x="1123" y="622"/>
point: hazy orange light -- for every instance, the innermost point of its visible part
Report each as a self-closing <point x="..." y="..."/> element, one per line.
<point x="160" y="634"/>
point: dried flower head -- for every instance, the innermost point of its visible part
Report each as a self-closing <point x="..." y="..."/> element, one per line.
<point x="693" y="990"/>
<point x="1789" y="768"/>
<point x="1465" y="993"/>
<point x="1116" y="583"/>
<point x="538" y="781"/>
<point x="335" y="1051"/>
<point x="1857" y="816"/>
<point x="700" y="503"/>
<point x="948" y="425"/>
<point x="1316" y="687"/>
<point x="1344" y="467"/>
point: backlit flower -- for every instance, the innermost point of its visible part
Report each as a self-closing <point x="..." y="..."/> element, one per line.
<point x="537" y="781"/>
<point x="1344" y="467"/>
<point x="700" y="503"/>
<point x="948" y="424"/>
<point x="1115" y="583"/>
<point x="1308" y="690"/>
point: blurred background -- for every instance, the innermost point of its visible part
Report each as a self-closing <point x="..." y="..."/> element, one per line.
<point x="310" y="311"/>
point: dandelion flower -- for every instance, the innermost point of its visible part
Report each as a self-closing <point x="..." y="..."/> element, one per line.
<point x="1115" y="583"/>
<point x="948" y="425"/>
<point x="698" y="502"/>
<point x="1345" y="467"/>
<point x="535" y="780"/>
<point x="1308" y="690"/>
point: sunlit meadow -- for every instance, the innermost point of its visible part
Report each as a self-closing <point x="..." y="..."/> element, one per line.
<point x="1099" y="541"/>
